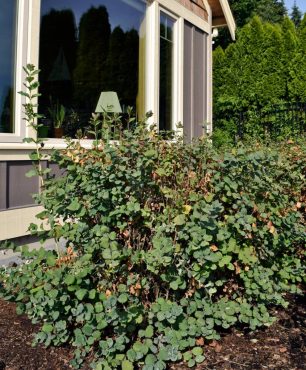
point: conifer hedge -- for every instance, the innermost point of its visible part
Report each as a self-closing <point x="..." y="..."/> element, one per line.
<point x="265" y="67"/>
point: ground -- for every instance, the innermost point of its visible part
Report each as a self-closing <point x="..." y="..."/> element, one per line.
<point x="281" y="346"/>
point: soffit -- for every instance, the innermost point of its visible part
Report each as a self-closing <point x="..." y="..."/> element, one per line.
<point x="222" y="15"/>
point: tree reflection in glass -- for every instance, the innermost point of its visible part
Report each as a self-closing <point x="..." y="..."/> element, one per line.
<point x="85" y="50"/>
<point x="8" y="15"/>
<point x="166" y="72"/>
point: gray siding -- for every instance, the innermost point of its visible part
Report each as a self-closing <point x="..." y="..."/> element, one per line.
<point x="3" y="197"/>
<point x="195" y="81"/>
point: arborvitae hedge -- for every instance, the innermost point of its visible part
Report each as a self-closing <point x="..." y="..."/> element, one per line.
<point x="266" y="66"/>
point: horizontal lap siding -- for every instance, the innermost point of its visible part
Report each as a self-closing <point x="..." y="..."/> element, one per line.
<point x="196" y="6"/>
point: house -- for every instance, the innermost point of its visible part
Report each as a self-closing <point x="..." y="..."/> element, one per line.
<point x="153" y="55"/>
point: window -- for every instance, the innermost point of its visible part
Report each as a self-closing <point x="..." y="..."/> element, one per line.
<point x="166" y="72"/>
<point x="8" y="10"/>
<point x="85" y="50"/>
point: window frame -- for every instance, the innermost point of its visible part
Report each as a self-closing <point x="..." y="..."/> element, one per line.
<point x="21" y="59"/>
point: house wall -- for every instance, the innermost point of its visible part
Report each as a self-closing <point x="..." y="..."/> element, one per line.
<point x="194" y="83"/>
<point x="197" y="7"/>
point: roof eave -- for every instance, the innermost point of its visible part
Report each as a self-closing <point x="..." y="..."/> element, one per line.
<point x="226" y="20"/>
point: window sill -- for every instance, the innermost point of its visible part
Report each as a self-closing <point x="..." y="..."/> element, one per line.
<point x="49" y="144"/>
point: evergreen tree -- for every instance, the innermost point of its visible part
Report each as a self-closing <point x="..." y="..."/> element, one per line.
<point x="271" y="10"/>
<point x="243" y="10"/>
<point x="296" y="15"/>
<point x="297" y="85"/>
<point x="290" y="43"/>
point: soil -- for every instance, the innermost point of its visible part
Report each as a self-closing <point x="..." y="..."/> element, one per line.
<point x="279" y="347"/>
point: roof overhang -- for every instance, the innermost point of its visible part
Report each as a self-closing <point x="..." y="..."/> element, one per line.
<point x="222" y="15"/>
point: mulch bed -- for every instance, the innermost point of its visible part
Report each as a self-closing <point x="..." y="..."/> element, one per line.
<point x="281" y="346"/>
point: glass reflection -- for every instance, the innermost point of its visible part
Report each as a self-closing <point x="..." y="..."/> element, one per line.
<point x="166" y="72"/>
<point x="8" y="14"/>
<point x="87" y="48"/>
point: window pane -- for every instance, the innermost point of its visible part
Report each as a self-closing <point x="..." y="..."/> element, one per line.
<point x="7" y="46"/>
<point x="87" y="48"/>
<point x="166" y="72"/>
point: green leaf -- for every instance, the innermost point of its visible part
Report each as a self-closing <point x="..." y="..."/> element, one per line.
<point x="123" y="298"/>
<point x="180" y="220"/>
<point x="127" y="365"/>
<point x="149" y="331"/>
<point x="99" y="307"/>
<point x="225" y="260"/>
<point x="174" y="285"/>
<point x="69" y="279"/>
<point x="199" y="359"/>
<point x="81" y="294"/>
<point x="74" y="205"/>
<point x="32" y="173"/>
<point x="150" y="153"/>
<point x="197" y="351"/>
<point x="87" y="329"/>
<point x="47" y="328"/>
<point x="150" y="359"/>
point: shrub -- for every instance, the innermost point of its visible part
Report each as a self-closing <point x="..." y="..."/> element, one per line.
<point x="167" y="244"/>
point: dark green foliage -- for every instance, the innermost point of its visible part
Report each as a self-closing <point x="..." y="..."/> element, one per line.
<point x="297" y="84"/>
<point x="264" y="68"/>
<point x="243" y="11"/>
<point x="271" y="10"/>
<point x="166" y="244"/>
<point x="296" y="15"/>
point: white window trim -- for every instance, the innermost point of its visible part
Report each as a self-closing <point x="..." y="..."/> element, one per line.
<point x="153" y="64"/>
<point x="180" y="13"/>
<point x="21" y="52"/>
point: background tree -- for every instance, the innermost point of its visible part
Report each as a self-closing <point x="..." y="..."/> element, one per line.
<point x="244" y="10"/>
<point x="271" y="10"/>
<point x="296" y="15"/>
<point x="266" y="67"/>
<point x="297" y="84"/>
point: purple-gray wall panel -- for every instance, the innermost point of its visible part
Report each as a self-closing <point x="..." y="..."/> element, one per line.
<point x="200" y="71"/>
<point x="20" y="187"/>
<point x="188" y="81"/>
<point x="3" y="186"/>
<point x="195" y="81"/>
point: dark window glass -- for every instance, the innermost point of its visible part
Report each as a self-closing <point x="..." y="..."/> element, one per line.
<point x="8" y="13"/>
<point x="166" y="72"/>
<point x="89" y="47"/>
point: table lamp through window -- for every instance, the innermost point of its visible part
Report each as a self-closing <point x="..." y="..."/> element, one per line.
<point x="109" y="106"/>
<point x="108" y="103"/>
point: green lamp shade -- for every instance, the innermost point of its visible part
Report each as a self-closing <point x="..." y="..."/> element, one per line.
<point x="108" y="102"/>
